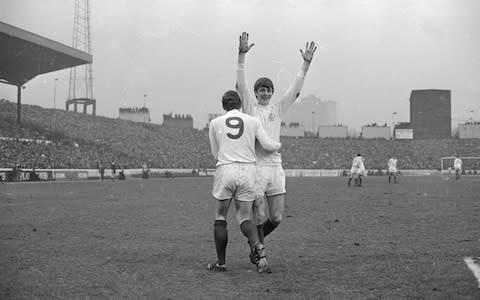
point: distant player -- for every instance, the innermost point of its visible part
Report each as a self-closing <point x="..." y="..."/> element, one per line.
<point x="113" y="165"/>
<point x="392" y="169"/>
<point x="232" y="140"/>
<point x="357" y="170"/>
<point x="101" y="170"/>
<point x="145" y="170"/>
<point x="457" y="166"/>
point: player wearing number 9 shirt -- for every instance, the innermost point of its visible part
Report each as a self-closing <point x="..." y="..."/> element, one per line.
<point x="232" y="140"/>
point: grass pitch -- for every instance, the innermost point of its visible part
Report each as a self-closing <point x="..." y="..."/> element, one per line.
<point x="152" y="239"/>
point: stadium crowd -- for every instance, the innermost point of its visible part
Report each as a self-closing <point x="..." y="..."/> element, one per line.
<point x="50" y="138"/>
<point x="308" y="153"/>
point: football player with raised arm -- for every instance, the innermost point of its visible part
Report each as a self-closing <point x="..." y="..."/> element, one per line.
<point x="232" y="140"/>
<point x="270" y="175"/>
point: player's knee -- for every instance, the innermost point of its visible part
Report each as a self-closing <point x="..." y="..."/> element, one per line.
<point x="242" y="218"/>
<point x="276" y="219"/>
<point x="258" y="217"/>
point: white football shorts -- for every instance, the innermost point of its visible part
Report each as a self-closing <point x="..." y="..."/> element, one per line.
<point x="236" y="180"/>
<point x="270" y="180"/>
<point x="358" y="171"/>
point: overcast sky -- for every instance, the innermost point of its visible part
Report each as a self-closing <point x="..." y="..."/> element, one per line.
<point x="182" y="53"/>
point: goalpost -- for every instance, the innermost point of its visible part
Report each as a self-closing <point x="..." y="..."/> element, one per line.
<point x="471" y="164"/>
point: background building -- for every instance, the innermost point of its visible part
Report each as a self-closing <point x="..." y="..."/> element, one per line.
<point x="292" y="129"/>
<point x="469" y="130"/>
<point x="430" y="114"/>
<point x="177" y="121"/>
<point x="326" y="131"/>
<point x="136" y="114"/>
<point x="312" y="112"/>
<point x="211" y="117"/>
<point x="376" y="132"/>
<point x="403" y="131"/>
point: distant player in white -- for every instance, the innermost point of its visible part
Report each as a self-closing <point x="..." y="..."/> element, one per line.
<point x="392" y="169"/>
<point x="232" y="140"/>
<point x="357" y="170"/>
<point x="270" y="113"/>
<point x="457" y="166"/>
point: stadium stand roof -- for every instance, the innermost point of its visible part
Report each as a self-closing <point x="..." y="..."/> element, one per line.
<point x="24" y="55"/>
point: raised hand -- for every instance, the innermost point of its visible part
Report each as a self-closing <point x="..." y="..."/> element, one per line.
<point x="309" y="51"/>
<point x="243" y="43"/>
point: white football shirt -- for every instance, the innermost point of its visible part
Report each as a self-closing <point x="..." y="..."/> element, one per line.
<point x="457" y="164"/>
<point x="358" y="163"/>
<point x="392" y="163"/>
<point x="233" y="135"/>
<point x="270" y="115"/>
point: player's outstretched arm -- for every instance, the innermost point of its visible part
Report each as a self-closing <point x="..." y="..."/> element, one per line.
<point x="243" y="46"/>
<point x="307" y="56"/>
<point x="295" y="88"/>
<point x="241" y="85"/>
<point x="309" y="51"/>
<point x="265" y="141"/>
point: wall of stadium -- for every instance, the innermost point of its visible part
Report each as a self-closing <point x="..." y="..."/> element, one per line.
<point x="311" y="112"/>
<point x="332" y="131"/>
<point x="371" y="132"/>
<point x="469" y="131"/>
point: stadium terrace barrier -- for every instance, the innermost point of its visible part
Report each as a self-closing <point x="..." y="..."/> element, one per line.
<point x="312" y="173"/>
<point x="10" y="175"/>
<point x="333" y="173"/>
<point x="464" y="172"/>
<point x="71" y="175"/>
<point x="417" y="172"/>
<point x="93" y="174"/>
<point x="160" y="173"/>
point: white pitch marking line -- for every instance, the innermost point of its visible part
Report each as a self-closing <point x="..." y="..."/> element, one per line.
<point x="474" y="267"/>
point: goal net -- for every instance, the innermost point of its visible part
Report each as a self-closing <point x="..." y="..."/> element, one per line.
<point x="469" y="164"/>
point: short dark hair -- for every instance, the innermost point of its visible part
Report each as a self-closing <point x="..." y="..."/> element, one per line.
<point x="231" y="100"/>
<point x="262" y="82"/>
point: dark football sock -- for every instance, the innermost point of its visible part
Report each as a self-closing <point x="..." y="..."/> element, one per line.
<point x="268" y="227"/>
<point x="220" y="235"/>
<point x="250" y="231"/>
